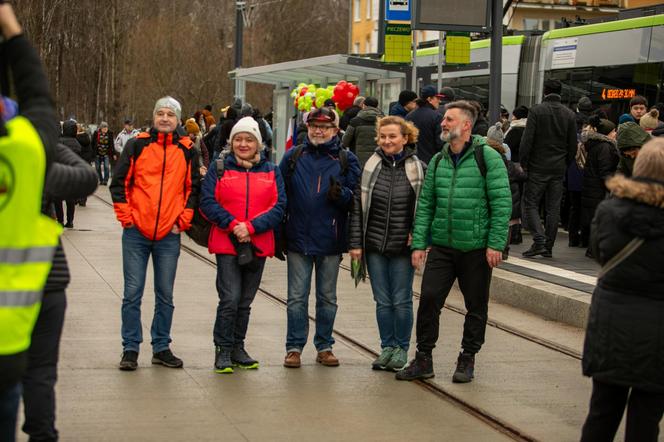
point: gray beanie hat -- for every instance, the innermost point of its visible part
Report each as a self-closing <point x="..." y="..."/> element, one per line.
<point x="169" y="103"/>
<point x="495" y="132"/>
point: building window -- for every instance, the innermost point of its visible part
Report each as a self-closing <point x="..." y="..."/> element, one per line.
<point x="367" y="45"/>
<point x="375" y="7"/>
<point x="368" y="9"/>
<point x="356" y="48"/>
<point x="374" y="41"/>
<point x="356" y="10"/>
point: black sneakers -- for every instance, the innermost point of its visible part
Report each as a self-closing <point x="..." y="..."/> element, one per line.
<point x="240" y="358"/>
<point x="419" y="368"/>
<point x="167" y="359"/>
<point x="465" y="370"/>
<point x="129" y="361"/>
<point x="222" y="361"/>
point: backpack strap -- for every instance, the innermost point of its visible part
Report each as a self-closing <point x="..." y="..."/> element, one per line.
<point x="479" y="159"/>
<point x="220" y="164"/>
<point x="292" y="161"/>
<point x="343" y="161"/>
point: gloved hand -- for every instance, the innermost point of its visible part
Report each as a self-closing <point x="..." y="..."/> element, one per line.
<point x="334" y="192"/>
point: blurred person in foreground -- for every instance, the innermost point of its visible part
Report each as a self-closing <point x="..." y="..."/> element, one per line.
<point x="623" y="350"/>
<point x="28" y="238"/>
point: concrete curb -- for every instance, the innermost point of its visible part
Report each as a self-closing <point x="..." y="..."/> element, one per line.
<point x="548" y="300"/>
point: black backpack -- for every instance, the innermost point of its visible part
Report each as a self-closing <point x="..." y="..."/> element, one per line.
<point x="200" y="228"/>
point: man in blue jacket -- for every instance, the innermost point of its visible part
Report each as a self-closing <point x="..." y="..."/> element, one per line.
<point x="320" y="178"/>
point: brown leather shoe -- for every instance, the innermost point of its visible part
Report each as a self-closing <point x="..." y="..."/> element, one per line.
<point x="292" y="360"/>
<point x="327" y="358"/>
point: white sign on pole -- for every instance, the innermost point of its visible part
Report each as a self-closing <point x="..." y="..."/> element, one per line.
<point x="564" y="53"/>
<point x="398" y="5"/>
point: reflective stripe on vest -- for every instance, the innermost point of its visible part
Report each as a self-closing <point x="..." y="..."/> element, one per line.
<point x="27" y="238"/>
<point x="19" y="299"/>
<point x="20" y="256"/>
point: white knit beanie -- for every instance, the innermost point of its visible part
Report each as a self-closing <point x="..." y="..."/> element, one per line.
<point x="169" y="103"/>
<point x="248" y="125"/>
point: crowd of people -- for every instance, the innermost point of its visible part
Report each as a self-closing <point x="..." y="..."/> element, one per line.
<point x="433" y="185"/>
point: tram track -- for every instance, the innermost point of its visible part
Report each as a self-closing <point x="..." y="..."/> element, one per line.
<point x="477" y="412"/>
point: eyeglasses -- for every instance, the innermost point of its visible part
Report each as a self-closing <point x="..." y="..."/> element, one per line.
<point x="314" y="127"/>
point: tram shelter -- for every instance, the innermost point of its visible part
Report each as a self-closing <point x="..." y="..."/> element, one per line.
<point x="373" y="77"/>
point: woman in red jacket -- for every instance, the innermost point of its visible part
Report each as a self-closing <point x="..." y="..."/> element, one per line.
<point x="245" y="204"/>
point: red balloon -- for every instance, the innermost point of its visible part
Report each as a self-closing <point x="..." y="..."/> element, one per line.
<point x="303" y="91"/>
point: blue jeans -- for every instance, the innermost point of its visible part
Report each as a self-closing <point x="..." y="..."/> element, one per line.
<point x="300" y="268"/>
<point x="392" y="285"/>
<point x="136" y="250"/>
<point x="9" y="400"/>
<point x="237" y="287"/>
<point x="99" y="161"/>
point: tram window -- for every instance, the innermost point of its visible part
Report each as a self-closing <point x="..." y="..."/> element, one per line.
<point x="611" y="87"/>
<point x="470" y="88"/>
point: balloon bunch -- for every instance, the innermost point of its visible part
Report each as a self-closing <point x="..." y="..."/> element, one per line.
<point x="344" y="94"/>
<point x="303" y="96"/>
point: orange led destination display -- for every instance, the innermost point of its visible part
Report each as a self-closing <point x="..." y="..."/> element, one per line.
<point x="618" y="94"/>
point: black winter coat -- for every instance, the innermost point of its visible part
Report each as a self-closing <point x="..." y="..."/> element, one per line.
<point x="516" y="176"/>
<point x="601" y="163"/>
<point x="69" y="178"/>
<point x="625" y="332"/>
<point x="360" y="136"/>
<point x="549" y="142"/>
<point x="427" y="120"/>
<point x="86" y="146"/>
<point x="513" y="137"/>
<point x="348" y="115"/>
<point x="73" y="144"/>
<point x="391" y="211"/>
<point x="481" y="127"/>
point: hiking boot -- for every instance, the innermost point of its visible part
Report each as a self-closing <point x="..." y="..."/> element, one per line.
<point x="222" y="361"/>
<point x="398" y="360"/>
<point x="548" y="253"/>
<point x="517" y="236"/>
<point x="419" y="368"/>
<point x="327" y="358"/>
<point x="69" y="225"/>
<point x="292" y="360"/>
<point x="129" y="361"/>
<point x="381" y="361"/>
<point x="535" y="250"/>
<point x="167" y="359"/>
<point x="241" y="358"/>
<point x="465" y="369"/>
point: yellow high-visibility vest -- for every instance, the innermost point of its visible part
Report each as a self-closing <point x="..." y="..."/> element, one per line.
<point x="27" y="237"/>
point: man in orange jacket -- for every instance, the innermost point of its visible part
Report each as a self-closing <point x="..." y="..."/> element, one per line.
<point x="154" y="189"/>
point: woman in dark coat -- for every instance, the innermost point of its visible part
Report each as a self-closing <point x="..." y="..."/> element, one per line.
<point x="601" y="162"/>
<point x="624" y="351"/>
<point x="380" y="233"/>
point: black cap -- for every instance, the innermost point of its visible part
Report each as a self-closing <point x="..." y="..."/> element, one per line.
<point x="406" y="97"/>
<point x="128" y="121"/>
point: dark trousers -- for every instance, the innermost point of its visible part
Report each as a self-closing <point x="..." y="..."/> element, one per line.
<point x="607" y="404"/>
<point x="39" y="380"/>
<point x="9" y="400"/>
<point x="59" y="214"/>
<point x="574" y="221"/>
<point x="237" y="287"/>
<point x="443" y="266"/>
<point x="549" y="187"/>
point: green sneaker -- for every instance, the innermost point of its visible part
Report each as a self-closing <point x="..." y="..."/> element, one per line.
<point x="398" y="360"/>
<point x="381" y="361"/>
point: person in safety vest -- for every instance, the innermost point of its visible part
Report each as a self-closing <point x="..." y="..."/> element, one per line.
<point x="28" y="239"/>
<point x="154" y="189"/>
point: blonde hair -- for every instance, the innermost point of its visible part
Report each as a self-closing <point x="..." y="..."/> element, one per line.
<point x="408" y="129"/>
<point x="650" y="161"/>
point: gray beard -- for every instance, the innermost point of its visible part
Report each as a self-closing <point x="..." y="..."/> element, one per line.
<point x="451" y="136"/>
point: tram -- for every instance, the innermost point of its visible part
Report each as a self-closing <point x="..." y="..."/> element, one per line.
<point x="608" y="62"/>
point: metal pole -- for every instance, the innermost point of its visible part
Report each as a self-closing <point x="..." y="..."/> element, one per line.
<point x="239" y="25"/>
<point x="413" y="78"/>
<point x="441" y="50"/>
<point x="496" y="60"/>
<point x="381" y="28"/>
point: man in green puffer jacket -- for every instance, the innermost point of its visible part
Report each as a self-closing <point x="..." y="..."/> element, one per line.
<point x="464" y="209"/>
